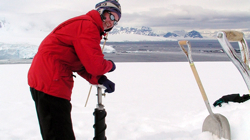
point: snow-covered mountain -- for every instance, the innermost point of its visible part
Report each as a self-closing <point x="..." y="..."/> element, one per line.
<point x="193" y="34"/>
<point x="130" y="30"/>
<point x="27" y="24"/>
<point x="169" y="34"/>
<point x="149" y="32"/>
<point x="7" y="26"/>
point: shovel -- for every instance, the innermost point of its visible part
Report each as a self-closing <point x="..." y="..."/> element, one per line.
<point x="217" y="124"/>
<point x="224" y="38"/>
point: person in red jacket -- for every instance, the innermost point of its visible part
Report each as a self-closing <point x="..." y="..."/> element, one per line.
<point x="73" y="46"/>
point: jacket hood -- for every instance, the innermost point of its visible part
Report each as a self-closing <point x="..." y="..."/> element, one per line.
<point x="94" y="14"/>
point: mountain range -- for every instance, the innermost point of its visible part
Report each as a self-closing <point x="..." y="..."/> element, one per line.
<point x="147" y="31"/>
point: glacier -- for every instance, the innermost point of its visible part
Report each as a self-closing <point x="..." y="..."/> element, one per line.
<point x="28" y="51"/>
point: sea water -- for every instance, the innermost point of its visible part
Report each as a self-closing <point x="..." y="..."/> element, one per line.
<point x="167" y="51"/>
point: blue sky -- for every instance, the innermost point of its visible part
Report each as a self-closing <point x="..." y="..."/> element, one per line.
<point x="160" y="15"/>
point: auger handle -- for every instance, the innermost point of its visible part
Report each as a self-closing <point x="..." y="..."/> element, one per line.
<point x="234" y="36"/>
<point x="106" y="38"/>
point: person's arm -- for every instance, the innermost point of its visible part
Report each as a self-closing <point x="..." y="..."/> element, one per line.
<point x="87" y="47"/>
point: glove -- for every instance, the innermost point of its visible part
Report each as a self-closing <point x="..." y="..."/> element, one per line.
<point x="218" y="102"/>
<point x="232" y="98"/>
<point x="110" y="86"/>
<point x="113" y="68"/>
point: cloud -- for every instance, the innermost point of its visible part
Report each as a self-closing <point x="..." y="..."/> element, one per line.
<point x="188" y="17"/>
<point x="160" y="14"/>
<point x="40" y="6"/>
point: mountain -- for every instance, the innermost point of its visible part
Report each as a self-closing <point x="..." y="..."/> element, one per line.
<point x="130" y="30"/>
<point x="37" y="30"/>
<point x="147" y="31"/>
<point x="169" y="34"/>
<point x="193" y="34"/>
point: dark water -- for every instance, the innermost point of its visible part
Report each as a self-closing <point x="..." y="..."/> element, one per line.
<point x="167" y="51"/>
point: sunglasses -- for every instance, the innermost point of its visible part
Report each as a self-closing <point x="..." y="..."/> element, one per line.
<point x="112" y="17"/>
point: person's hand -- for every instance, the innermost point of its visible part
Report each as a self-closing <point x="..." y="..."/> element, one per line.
<point x="114" y="67"/>
<point x="110" y="86"/>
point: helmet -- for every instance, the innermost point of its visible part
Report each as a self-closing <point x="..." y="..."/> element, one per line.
<point x="109" y="5"/>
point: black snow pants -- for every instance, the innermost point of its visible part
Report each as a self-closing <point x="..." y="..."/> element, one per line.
<point x="54" y="116"/>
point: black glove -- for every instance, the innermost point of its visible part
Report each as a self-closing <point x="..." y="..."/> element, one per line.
<point x="107" y="83"/>
<point x="113" y="68"/>
<point x="231" y="98"/>
<point x="218" y="102"/>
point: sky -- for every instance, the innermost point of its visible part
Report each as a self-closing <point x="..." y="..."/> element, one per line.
<point x="160" y="15"/>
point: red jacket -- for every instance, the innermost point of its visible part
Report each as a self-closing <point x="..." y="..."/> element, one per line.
<point x="73" y="46"/>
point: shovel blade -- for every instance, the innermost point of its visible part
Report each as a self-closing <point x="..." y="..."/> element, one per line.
<point x="218" y="125"/>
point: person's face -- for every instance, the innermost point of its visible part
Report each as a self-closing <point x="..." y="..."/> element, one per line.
<point x="111" y="19"/>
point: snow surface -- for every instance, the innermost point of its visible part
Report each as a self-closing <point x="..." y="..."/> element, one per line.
<point x="152" y="101"/>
